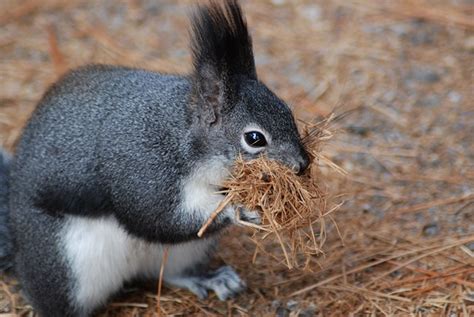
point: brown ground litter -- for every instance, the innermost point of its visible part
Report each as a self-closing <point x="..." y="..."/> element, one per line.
<point x="405" y="69"/>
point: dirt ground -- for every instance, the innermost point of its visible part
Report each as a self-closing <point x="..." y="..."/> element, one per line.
<point x="402" y="71"/>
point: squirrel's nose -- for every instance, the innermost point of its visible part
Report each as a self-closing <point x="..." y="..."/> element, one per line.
<point x="303" y="162"/>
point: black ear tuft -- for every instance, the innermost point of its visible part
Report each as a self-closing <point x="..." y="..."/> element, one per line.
<point x="221" y="42"/>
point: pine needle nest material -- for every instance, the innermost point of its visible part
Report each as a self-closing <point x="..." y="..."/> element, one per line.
<point x="292" y="207"/>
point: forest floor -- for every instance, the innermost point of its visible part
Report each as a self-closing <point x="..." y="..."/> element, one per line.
<point x="403" y="72"/>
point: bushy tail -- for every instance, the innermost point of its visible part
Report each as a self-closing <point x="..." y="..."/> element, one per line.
<point x="6" y="247"/>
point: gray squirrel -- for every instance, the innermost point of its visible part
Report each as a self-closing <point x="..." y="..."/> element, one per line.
<point x="116" y="164"/>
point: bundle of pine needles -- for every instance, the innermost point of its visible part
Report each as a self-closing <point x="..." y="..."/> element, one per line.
<point x="292" y="207"/>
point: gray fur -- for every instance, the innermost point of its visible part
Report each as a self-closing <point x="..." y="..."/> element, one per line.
<point x="5" y="237"/>
<point x="125" y="144"/>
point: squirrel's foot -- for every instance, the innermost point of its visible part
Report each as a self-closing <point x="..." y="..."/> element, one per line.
<point x="247" y="215"/>
<point x="225" y="282"/>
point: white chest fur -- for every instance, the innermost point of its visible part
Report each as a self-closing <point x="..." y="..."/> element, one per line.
<point x="200" y="188"/>
<point x="102" y="256"/>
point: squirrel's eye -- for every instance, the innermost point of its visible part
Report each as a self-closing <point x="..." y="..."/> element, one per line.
<point x="255" y="139"/>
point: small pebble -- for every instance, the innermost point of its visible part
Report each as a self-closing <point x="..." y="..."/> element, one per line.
<point x="429" y="101"/>
<point x="362" y="131"/>
<point x="389" y="96"/>
<point x="454" y="96"/>
<point x="425" y="74"/>
<point x="422" y="33"/>
<point x="282" y="312"/>
<point x="276" y="304"/>
<point x="311" y="12"/>
<point x="278" y="2"/>
<point x="292" y="304"/>
<point x="469" y="298"/>
<point x="470" y="246"/>
<point x="469" y="44"/>
<point x="308" y="311"/>
<point x="400" y="29"/>
<point x="431" y="229"/>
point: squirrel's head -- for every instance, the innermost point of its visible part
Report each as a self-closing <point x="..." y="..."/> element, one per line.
<point x="232" y="111"/>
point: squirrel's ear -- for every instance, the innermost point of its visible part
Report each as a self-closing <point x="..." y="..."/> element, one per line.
<point x="211" y="94"/>
<point x="222" y="53"/>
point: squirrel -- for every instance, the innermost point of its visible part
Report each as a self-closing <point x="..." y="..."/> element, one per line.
<point x="118" y="164"/>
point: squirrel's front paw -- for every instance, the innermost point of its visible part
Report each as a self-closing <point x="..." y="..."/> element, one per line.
<point x="245" y="215"/>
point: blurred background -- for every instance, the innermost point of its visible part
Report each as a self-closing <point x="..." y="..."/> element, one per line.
<point x="402" y="71"/>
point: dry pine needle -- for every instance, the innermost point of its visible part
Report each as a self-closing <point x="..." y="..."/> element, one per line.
<point x="292" y="207"/>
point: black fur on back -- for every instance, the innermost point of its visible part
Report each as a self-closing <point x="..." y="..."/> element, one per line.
<point x="221" y="42"/>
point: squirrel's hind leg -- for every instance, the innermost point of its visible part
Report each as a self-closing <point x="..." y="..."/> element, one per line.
<point x="187" y="267"/>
